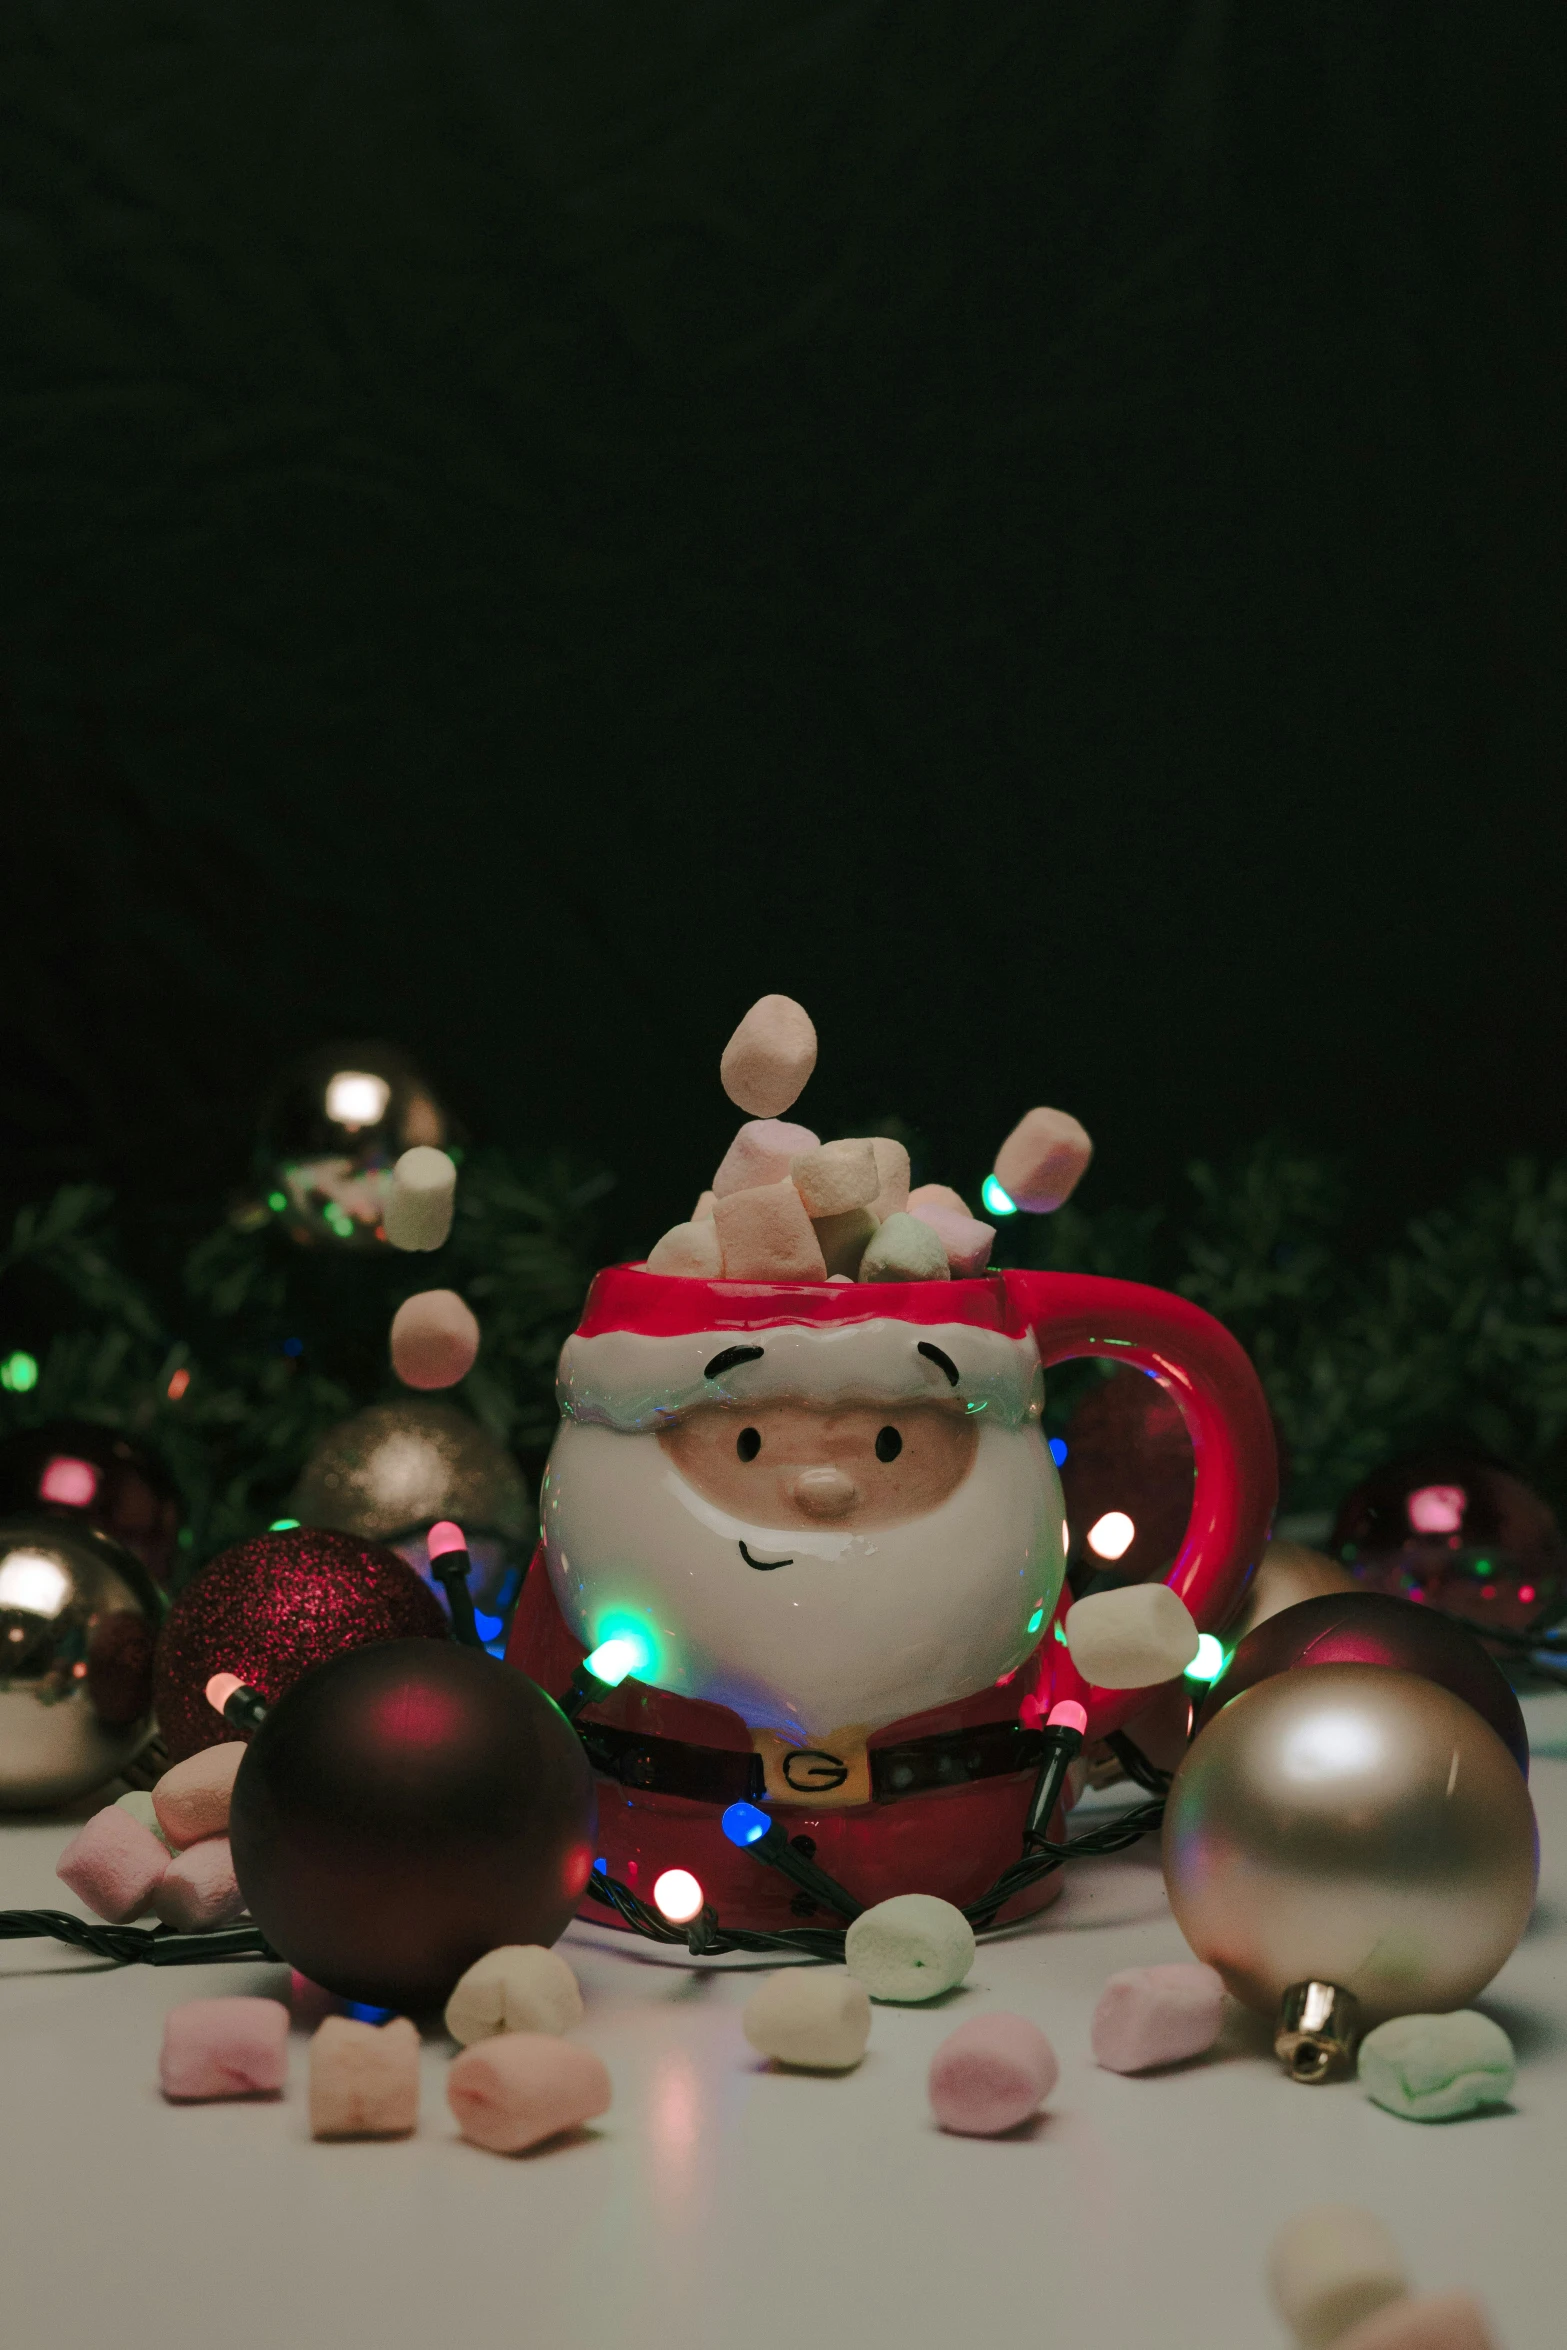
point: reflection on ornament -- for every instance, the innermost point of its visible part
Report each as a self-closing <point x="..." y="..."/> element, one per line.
<point x="270" y="1609"/>
<point x="403" y="1812"/>
<point x="1367" y="1628"/>
<point x="1449" y="1529"/>
<point x="334" y="1128"/>
<point x="78" y="1618"/>
<point x="101" y="1476"/>
<point x="1288" y="1573"/>
<point x="1349" y="1831"/>
<point x="392" y="1472"/>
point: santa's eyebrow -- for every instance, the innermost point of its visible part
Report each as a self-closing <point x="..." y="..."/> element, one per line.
<point x="933" y="1354"/>
<point x="733" y="1355"/>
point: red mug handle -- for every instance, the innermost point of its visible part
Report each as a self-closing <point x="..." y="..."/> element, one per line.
<point x="1211" y="1378"/>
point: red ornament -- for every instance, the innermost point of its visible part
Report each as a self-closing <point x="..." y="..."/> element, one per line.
<point x="405" y="1810"/>
<point x="1364" y="1628"/>
<point x="269" y="1610"/>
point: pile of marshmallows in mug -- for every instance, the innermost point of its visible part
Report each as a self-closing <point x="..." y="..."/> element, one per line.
<point x="785" y="1206"/>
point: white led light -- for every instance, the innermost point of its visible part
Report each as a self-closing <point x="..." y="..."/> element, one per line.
<point x="355" y="1098"/>
<point x="33" y="1583"/>
<point x="1112" y="1536"/>
<point x="677" y="1896"/>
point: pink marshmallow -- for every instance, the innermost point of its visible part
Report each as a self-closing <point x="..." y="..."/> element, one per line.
<point x="1150" y="2015"/>
<point x="519" y="2088"/>
<point x="114" y="1864"/>
<point x="966" y="1241"/>
<point x="760" y="1153"/>
<point x="435" y="1339"/>
<point x="1422" y="2321"/>
<point x="990" y="2074"/>
<point x="1042" y="1160"/>
<point x="936" y="1195"/>
<point x="199" y="1889"/>
<point x="224" y="2048"/>
<point x="192" y="1800"/>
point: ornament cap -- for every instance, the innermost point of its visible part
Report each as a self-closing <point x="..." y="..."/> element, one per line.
<point x="1317" y="2030"/>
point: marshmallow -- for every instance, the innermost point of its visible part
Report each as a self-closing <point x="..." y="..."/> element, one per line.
<point x="192" y="1800"/>
<point x="909" y="1948"/>
<point x="892" y="1173"/>
<point x="843" y="1241"/>
<point x="990" y="2074"/>
<point x="1131" y="1639"/>
<point x="835" y="1177"/>
<point x="769" y="1058"/>
<point x="435" y="1339"/>
<point x="224" y="2048"/>
<point x="114" y="1864"/>
<point x="690" y="1250"/>
<point x="938" y="1195"/>
<point x="766" y="1235"/>
<point x="518" y="1988"/>
<point x="1042" y="1160"/>
<point x="703" y="1208"/>
<point x="904" y="1249"/>
<point x="364" y="2079"/>
<point x="424" y="1191"/>
<point x="966" y="1241"/>
<point x="139" y="1804"/>
<point x="1149" y="2015"/>
<point x="761" y="1153"/>
<point x="512" y="2092"/>
<point x="1330" y="2267"/>
<point x="198" y="1889"/>
<point x="1426" y="2321"/>
<point x="817" y="2021"/>
<point x="1430" y="2068"/>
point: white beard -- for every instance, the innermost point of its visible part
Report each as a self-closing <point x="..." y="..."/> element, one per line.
<point x="860" y="1630"/>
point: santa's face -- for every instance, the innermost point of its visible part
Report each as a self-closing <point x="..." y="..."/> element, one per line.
<point x="817" y="1559"/>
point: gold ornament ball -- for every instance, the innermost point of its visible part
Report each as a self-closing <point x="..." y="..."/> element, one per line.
<point x="78" y="1624"/>
<point x="1352" y="1826"/>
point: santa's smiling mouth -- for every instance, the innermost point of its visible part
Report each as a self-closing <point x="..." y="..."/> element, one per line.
<point x="763" y="1566"/>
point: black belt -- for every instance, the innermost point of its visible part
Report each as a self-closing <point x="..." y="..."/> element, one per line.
<point x="724" y="1775"/>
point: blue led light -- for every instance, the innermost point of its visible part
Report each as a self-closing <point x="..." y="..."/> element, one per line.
<point x="487" y="1627"/>
<point x="601" y="1868"/>
<point x="743" y="1824"/>
<point x="999" y="1202"/>
<point x="1058" y="1449"/>
<point x="362" y="2013"/>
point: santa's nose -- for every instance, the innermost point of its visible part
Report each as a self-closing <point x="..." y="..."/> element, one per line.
<point x="824" y="1492"/>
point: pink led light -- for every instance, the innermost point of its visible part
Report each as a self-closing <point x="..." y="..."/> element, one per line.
<point x="69" y="1481"/>
<point x="444" y="1536"/>
<point x="677" y="1896"/>
<point x="1526" y="1594"/>
<point x="1437" y="1509"/>
<point x="221" y="1688"/>
<point x="1068" y="1715"/>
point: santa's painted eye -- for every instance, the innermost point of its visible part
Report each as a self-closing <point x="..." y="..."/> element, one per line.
<point x="748" y="1443"/>
<point x="888" y="1444"/>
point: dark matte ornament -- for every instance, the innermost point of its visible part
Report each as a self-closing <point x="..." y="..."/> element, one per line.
<point x="405" y="1809"/>
<point x="1367" y="1628"/>
<point x="270" y="1610"/>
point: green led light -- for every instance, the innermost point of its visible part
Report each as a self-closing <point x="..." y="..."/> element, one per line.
<point x="19" y="1372"/>
<point x="999" y="1202"/>
<point x="1036" y="1619"/>
<point x="277" y="1201"/>
<point x="1482" y="1566"/>
<point x="1060" y="1633"/>
<point x="1210" y="1660"/>
<point x="625" y="1646"/>
<point x="282" y="1525"/>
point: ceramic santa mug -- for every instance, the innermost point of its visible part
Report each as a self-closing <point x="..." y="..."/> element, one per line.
<point x="825" y="1519"/>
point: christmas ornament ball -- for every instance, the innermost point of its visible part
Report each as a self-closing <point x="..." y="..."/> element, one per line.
<point x="1367" y="1628"/>
<point x="1447" y="1528"/>
<point x="78" y="1618"/>
<point x="270" y="1609"/>
<point x="1287" y="1573"/>
<point x="1356" y="1826"/>
<point x="332" y="1130"/>
<point x="405" y="1809"/>
<point x="98" y="1474"/>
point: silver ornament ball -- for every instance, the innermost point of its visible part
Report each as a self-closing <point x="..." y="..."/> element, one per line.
<point x="78" y="1624"/>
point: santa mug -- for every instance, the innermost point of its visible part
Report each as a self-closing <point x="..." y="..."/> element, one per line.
<point x="824" y="1523"/>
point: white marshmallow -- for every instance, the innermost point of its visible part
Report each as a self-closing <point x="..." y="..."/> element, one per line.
<point x="703" y="1208"/>
<point x="892" y="1175"/>
<point x="1330" y="2267"/>
<point x="760" y="1153"/>
<point x="1043" y="1160"/>
<point x="835" y="1177"/>
<point x="518" y="1988"/>
<point x="904" y="1249"/>
<point x="435" y="1339"/>
<point x="818" y="2021"/>
<point x="766" y="1235"/>
<point x="1427" y="2321"/>
<point x="364" y="2079"/>
<point x="424" y="1192"/>
<point x="909" y="1948"/>
<point x="843" y="1241"/>
<point x="688" y="1249"/>
<point x="769" y="1058"/>
<point x="1131" y="1639"/>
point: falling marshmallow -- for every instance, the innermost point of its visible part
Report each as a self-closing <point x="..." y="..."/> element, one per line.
<point x="435" y="1339"/>
<point x="769" y="1058"/>
<point x="1043" y="1160"/>
<point x="424" y="1192"/>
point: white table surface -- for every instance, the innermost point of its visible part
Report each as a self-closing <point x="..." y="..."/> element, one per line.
<point x="721" y="2203"/>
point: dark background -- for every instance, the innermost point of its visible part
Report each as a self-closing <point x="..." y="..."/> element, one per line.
<point x="1033" y="529"/>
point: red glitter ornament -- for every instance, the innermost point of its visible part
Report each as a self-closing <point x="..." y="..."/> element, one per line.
<point x="272" y="1608"/>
